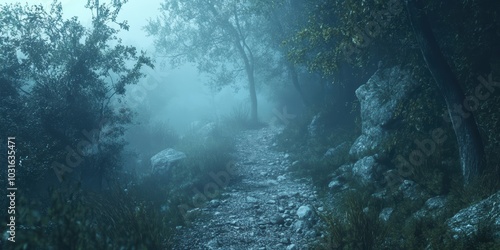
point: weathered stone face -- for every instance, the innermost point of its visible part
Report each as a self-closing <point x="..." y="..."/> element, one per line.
<point x="467" y="221"/>
<point x="379" y="98"/>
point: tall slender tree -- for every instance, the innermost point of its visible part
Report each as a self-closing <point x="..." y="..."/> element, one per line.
<point x="470" y="145"/>
<point x="458" y="48"/>
<point x="216" y="35"/>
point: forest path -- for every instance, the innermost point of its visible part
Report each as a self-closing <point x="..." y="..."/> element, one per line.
<point x="263" y="207"/>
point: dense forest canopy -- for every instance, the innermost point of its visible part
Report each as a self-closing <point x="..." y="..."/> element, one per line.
<point x="132" y="123"/>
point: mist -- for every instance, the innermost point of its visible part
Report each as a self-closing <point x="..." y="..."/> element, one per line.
<point x="222" y="124"/>
<point x="181" y="97"/>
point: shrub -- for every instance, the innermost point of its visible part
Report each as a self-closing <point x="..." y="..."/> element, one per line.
<point x="80" y="220"/>
<point x="354" y="223"/>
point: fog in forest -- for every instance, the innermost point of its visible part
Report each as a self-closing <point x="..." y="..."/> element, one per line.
<point x="224" y="124"/>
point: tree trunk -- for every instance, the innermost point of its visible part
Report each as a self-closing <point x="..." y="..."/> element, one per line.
<point x="295" y="81"/>
<point x="246" y="55"/>
<point x="278" y="37"/>
<point x="470" y="146"/>
<point x="251" y="82"/>
<point x="253" y="95"/>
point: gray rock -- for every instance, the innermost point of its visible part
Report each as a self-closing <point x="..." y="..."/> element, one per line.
<point x="304" y="212"/>
<point x="299" y="226"/>
<point x="335" y="184"/>
<point x="162" y="161"/>
<point x="369" y="143"/>
<point x="277" y="220"/>
<point x="313" y="127"/>
<point x="251" y="199"/>
<point x="364" y="169"/>
<point x="291" y="247"/>
<point x="467" y="221"/>
<point x="192" y="214"/>
<point x="271" y="202"/>
<point x="433" y="207"/>
<point x="207" y="130"/>
<point x="213" y="244"/>
<point x="214" y="203"/>
<point x="285" y="241"/>
<point x="385" y="214"/>
<point x="378" y="98"/>
<point x="310" y="234"/>
<point x="411" y="190"/>
<point x="337" y="151"/>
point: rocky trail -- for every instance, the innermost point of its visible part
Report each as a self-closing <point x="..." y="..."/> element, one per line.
<point x="263" y="207"/>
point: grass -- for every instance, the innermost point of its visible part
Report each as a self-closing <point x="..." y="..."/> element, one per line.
<point x="134" y="212"/>
<point x="350" y="226"/>
<point x="81" y="220"/>
<point x="239" y="118"/>
<point x="353" y="224"/>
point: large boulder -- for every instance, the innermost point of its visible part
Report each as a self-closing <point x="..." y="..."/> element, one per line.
<point x="379" y="99"/>
<point x="208" y="129"/>
<point x="162" y="161"/>
<point x="486" y="213"/>
<point x="433" y="208"/>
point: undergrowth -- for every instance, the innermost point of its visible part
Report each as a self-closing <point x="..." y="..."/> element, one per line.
<point x="353" y="219"/>
<point x="77" y="219"/>
<point x="133" y="212"/>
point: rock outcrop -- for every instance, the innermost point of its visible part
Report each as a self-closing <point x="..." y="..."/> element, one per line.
<point x="379" y="99"/>
<point x="479" y="216"/>
<point x="161" y="162"/>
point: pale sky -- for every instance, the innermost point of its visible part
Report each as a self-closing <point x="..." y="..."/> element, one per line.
<point x="136" y="12"/>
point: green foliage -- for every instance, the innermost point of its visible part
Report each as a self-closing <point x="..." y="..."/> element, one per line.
<point x="146" y="140"/>
<point x="433" y="233"/>
<point x="63" y="80"/>
<point x="67" y="79"/>
<point x="108" y="220"/>
<point x="205" y="155"/>
<point x="335" y="33"/>
<point x="310" y="151"/>
<point x="219" y="36"/>
<point x="354" y="224"/>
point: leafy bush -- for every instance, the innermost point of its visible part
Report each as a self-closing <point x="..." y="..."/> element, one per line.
<point x="109" y="220"/>
<point x="74" y="77"/>
<point x="204" y="155"/>
<point x="310" y="151"/>
<point x="146" y="140"/>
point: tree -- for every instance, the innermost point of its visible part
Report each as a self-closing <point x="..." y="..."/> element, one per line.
<point x="359" y="35"/>
<point x="470" y="145"/>
<point x="282" y="20"/>
<point x="216" y="34"/>
<point x="69" y="79"/>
